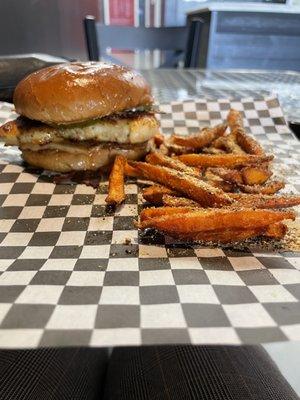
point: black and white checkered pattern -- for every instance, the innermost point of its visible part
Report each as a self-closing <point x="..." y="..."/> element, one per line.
<point x="181" y="84"/>
<point x="67" y="278"/>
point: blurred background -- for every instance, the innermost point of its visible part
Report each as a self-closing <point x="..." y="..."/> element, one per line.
<point x="239" y="48"/>
<point x="230" y="31"/>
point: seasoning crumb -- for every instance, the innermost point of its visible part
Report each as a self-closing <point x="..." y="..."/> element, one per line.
<point x="127" y="241"/>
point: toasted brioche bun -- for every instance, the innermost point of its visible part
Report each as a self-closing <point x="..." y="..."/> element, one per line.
<point x="96" y="158"/>
<point x="76" y="92"/>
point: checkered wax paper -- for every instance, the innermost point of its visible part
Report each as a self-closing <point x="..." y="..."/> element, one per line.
<point x="68" y="278"/>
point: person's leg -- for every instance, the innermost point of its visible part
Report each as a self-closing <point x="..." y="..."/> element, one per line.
<point x="52" y="374"/>
<point x="195" y="372"/>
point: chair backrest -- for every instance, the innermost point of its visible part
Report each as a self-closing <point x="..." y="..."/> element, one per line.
<point x="91" y="37"/>
<point x="141" y="38"/>
<point x="192" y="54"/>
<point x="178" y="39"/>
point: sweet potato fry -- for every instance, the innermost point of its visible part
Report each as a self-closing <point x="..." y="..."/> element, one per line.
<point x="175" y="149"/>
<point x="116" y="190"/>
<point x="165" y="161"/>
<point x="130" y="171"/>
<point x="154" y="194"/>
<point x="232" y="146"/>
<point x="242" y="200"/>
<point x="234" y="120"/>
<point x="248" y="143"/>
<point x="277" y="231"/>
<point x="202" y="139"/>
<point x="216" y="219"/>
<point x="149" y="213"/>
<point x="268" y="188"/>
<point x="173" y="201"/>
<point x="226" y="187"/>
<point x="194" y="188"/>
<point x="216" y="181"/>
<point x="229" y="175"/>
<point x="223" y="160"/>
<point x="213" y="150"/>
<point x="228" y="143"/>
<point x="219" y="144"/>
<point x="163" y="149"/>
<point x="158" y="139"/>
<point x="255" y="175"/>
<point x="264" y="201"/>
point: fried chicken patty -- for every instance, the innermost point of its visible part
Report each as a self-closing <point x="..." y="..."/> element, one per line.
<point x="35" y="135"/>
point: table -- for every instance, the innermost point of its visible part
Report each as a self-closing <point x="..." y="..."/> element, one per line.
<point x="172" y="85"/>
<point x="179" y="84"/>
<point x="68" y="278"/>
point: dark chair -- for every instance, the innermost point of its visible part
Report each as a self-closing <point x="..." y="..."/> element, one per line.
<point x="192" y="53"/>
<point x="175" y="40"/>
<point x="91" y="38"/>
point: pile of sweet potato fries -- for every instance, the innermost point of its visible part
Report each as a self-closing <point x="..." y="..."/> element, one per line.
<point x="213" y="186"/>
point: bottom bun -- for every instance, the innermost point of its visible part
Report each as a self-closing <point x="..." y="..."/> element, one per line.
<point x="95" y="158"/>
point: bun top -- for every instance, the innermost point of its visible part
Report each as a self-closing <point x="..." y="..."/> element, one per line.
<point x="76" y="92"/>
